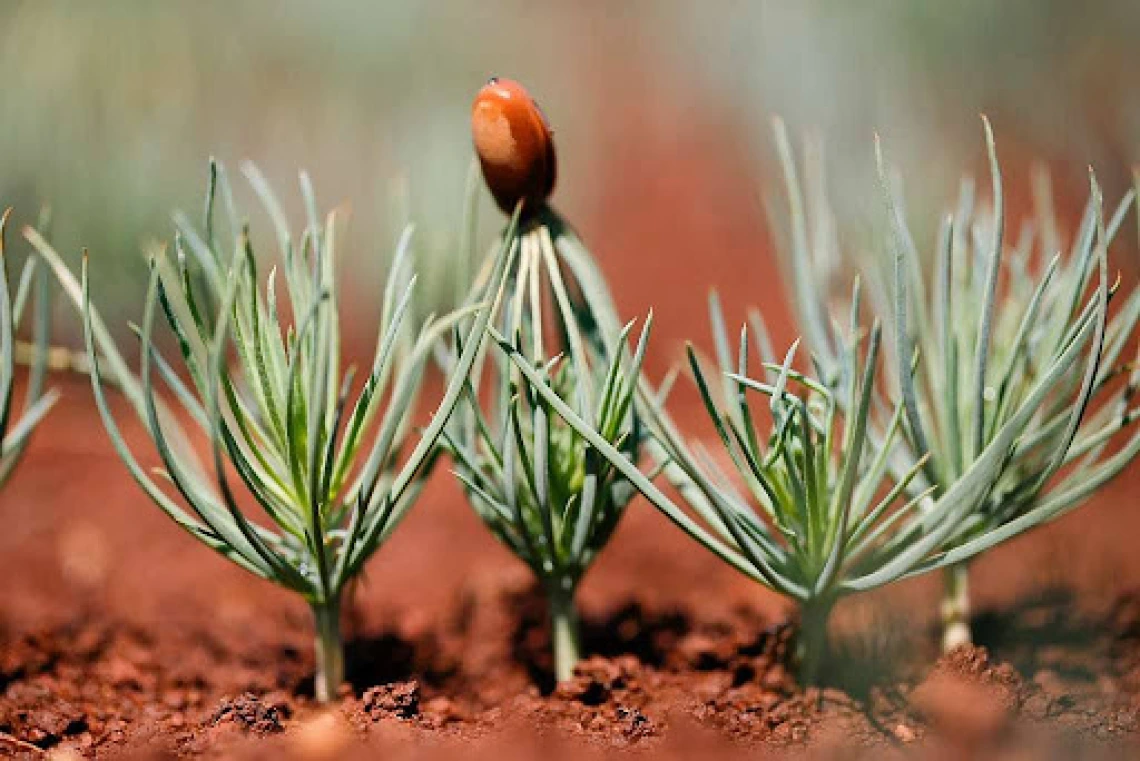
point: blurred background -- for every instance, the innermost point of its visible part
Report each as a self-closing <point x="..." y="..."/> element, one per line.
<point x="662" y="112"/>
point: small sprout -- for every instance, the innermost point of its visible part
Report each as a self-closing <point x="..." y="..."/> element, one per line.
<point x="514" y="144"/>
<point x="542" y="489"/>
<point x="1007" y="344"/>
<point x="333" y="468"/>
<point x="33" y="286"/>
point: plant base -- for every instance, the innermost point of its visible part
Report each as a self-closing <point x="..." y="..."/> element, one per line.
<point x="956" y="608"/>
<point x="812" y="644"/>
<point x="329" y="652"/>
<point x="564" y="633"/>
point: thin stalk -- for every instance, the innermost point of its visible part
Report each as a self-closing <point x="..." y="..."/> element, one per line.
<point x="564" y="631"/>
<point x="812" y="644"/>
<point x="329" y="651"/>
<point x="956" y="607"/>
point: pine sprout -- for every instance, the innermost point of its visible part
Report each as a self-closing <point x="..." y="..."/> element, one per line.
<point x="541" y="488"/>
<point x="971" y="343"/>
<point x="333" y="472"/>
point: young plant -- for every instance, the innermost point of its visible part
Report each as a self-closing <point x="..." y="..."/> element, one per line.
<point x="33" y="285"/>
<point x="973" y="342"/>
<point x="545" y="492"/>
<point x="334" y="469"/>
<point x="542" y="489"/>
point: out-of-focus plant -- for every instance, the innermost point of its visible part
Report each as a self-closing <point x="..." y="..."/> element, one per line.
<point x="328" y="465"/>
<point x="974" y="344"/>
<point x="542" y="489"/>
<point x="33" y="286"/>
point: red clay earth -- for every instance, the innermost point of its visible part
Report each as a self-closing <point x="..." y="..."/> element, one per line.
<point x="120" y="635"/>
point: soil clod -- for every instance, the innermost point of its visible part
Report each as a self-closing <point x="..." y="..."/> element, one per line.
<point x="400" y="700"/>
<point x="251" y="713"/>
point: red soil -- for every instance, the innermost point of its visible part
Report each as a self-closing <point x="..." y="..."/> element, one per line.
<point x="120" y="633"/>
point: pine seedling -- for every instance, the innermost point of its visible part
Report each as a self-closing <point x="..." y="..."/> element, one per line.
<point x="972" y="342"/>
<point x="32" y="294"/>
<point x="332" y="468"/>
<point x="543" y="490"/>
